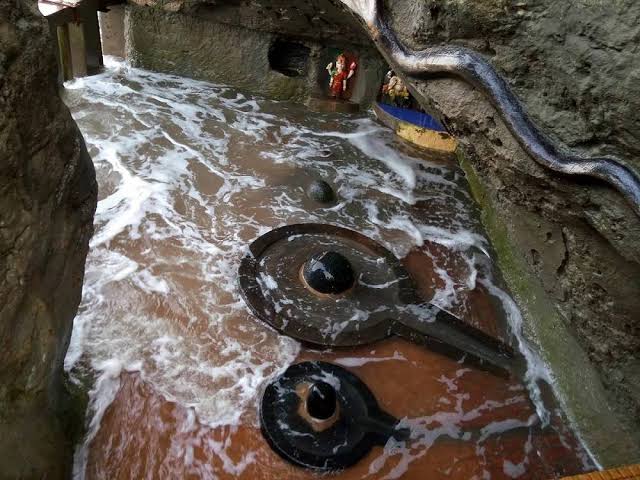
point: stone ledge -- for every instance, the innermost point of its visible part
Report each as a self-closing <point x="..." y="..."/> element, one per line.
<point x="577" y="383"/>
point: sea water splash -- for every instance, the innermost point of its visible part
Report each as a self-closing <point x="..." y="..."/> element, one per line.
<point x="366" y="9"/>
<point x="189" y="174"/>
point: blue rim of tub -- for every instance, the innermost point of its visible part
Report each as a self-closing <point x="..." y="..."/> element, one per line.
<point x="419" y="119"/>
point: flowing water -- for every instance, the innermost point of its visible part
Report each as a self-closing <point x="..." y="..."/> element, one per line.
<point x="189" y="174"/>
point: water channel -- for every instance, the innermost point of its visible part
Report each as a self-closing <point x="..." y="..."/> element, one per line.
<point x="189" y="174"/>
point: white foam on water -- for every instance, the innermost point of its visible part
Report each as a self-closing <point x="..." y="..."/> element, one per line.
<point x="103" y="393"/>
<point x="268" y="281"/>
<point x="189" y="174"/>
<point x="360" y="361"/>
<point x="372" y="146"/>
<point x="447" y="423"/>
<point x="536" y="368"/>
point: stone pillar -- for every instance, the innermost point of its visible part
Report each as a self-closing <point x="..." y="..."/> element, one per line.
<point x="64" y="53"/>
<point x="93" y="44"/>
<point x="112" y="31"/>
<point x="78" y="49"/>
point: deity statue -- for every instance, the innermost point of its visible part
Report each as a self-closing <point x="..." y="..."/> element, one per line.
<point x="395" y="89"/>
<point x="340" y="76"/>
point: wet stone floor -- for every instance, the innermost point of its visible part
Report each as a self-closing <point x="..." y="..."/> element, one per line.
<point x="189" y="174"/>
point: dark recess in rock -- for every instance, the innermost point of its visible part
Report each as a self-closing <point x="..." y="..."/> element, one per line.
<point x="278" y="49"/>
<point x="289" y="58"/>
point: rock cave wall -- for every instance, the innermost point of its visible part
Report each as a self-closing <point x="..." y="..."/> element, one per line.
<point x="47" y="201"/>
<point x="569" y="246"/>
<point x="244" y="44"/>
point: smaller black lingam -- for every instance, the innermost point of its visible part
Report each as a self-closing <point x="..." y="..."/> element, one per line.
<point x="321" y="401"/>
<point x="328" y="273"/>
<point x="319" y="415"/>
<point x="321" y="192"/>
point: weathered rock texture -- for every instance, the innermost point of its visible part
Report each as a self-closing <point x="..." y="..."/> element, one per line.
<point x="576" y="66"/>
<point x="243" y="43"/>
<point x="47" y="200"/>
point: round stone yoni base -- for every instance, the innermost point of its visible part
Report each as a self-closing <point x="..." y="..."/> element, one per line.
<point x="323" y="284"/>
<point x="320" y="416"/>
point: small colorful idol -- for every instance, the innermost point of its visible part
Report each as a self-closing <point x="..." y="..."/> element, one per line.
<point x="339" y="76"/>
<point x="395" y="90"/>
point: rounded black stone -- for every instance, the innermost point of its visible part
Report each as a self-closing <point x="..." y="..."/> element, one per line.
<point x="321" y="401"/>
<point x="320" y="191"/>
<point x="328" y="272"/>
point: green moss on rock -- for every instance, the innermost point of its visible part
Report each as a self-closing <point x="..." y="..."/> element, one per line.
<point x="577" y="383"/>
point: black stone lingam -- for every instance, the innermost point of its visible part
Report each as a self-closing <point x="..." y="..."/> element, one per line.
<point x="321" y="401"/>
<point x="320" y="416"/>
<point x="328" y="273"/>
<point x="321" y="191"/>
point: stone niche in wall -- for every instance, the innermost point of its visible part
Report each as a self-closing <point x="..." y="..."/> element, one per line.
<point x="279" y="50"/>
<point x="289" y="58"/>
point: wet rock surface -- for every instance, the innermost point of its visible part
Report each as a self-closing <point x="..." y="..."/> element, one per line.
<point x="573" y="65"/>
<point x="47" y="200"/>
<point x="278" y="49"/>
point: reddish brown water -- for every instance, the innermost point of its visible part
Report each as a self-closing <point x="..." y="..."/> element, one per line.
<point x="190" y="173"/>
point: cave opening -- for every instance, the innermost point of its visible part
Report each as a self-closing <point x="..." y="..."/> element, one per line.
<point x="289" y="58"/>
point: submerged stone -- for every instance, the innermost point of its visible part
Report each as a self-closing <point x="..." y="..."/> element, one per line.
<point x="321" y="192"/>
